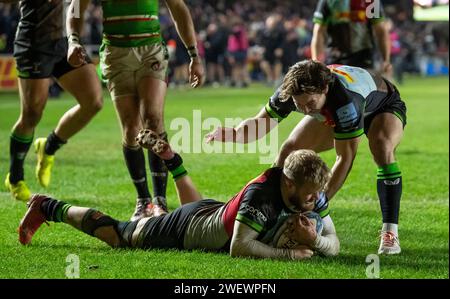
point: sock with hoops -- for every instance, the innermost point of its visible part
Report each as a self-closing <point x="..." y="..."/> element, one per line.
<point x="175" y="166"/>
<point x="55" y="210"/>
<point x="389" y="187"/>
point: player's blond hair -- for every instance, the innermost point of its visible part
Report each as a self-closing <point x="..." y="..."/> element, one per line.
<point x="305" y="166"/>
<point x="306" y="76"/>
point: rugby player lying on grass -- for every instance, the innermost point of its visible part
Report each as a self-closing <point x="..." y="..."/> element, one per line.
<point x="244" y="226"/>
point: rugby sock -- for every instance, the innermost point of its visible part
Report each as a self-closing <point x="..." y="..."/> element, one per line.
<point x="18" y="149"/>
<point x="53" y="144"/>
<point x="175" y="166"/>
<point x="389" y="188"/>
<point x="135" y="161"/>
<point x="159" y="171"/>
<point x="55" y="210"/>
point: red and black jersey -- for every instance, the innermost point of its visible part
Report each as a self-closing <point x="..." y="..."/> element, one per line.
<point x="260" y="204"/>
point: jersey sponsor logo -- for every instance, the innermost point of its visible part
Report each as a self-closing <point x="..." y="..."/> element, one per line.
<point x="347" y="114"/>
<point x="255" y="213"/>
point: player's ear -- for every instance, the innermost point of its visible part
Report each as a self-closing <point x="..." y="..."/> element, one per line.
<point x="290" y="184"/>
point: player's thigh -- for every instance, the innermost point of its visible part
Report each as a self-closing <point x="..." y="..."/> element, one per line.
<point x="385" y="133"/>
<point x="84" y="84"/>
<point x="33" y="96"/>
<point x="311" y="134"/>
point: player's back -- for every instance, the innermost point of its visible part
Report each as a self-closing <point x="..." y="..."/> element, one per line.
<point x="370" y="87"/>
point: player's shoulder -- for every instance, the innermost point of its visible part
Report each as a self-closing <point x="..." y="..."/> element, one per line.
<point x="265" y="186"/>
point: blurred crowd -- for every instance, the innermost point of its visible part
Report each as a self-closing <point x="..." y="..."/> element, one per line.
<point x="253" y="40"/>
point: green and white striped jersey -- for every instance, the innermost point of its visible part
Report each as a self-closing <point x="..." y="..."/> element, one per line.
<point x="131" y="23"/>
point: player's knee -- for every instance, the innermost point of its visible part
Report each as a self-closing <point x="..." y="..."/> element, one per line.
<point x="130" y="131"/>
<point x="95" y="104"/>
<point x="153" y="122"/>
<point x="30" y="118"/>
<point x="382" y="150"/>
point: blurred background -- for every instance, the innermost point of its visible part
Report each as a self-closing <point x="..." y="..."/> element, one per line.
<point x="281" y="28"/>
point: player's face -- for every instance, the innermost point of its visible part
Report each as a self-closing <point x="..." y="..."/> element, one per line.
<point x="305" y="196"/>
<point x="310" y="103"/>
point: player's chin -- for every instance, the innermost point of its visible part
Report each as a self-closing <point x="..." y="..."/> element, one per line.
<point x="307" y="206"/>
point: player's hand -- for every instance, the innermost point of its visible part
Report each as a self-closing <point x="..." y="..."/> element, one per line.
<point x="196" y="72"/>
<point x="221" y="134"/>
<point x="302" y="252"/>
<point x="76" y="55"/>
<point x="302" y="230"/>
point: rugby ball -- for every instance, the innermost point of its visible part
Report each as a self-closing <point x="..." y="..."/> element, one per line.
<point x="281" y="238"/>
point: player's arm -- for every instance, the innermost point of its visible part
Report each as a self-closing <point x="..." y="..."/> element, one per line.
<point x="319" y="37"/>
<point x="318" y="42"/>
<point x="247" y="131"/>
<point x="256" y="127"/>
<point x="381" y="33"/>
<point x="76" y="54"/>
<point x="244" y="243"/>
<point x="185" y="28"/>
<point x="345" y="154"/>
<point x="328" y="242"/>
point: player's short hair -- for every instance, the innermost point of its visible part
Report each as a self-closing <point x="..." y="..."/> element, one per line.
<point x="305" y="166"/>
<point x="306" y="76"/>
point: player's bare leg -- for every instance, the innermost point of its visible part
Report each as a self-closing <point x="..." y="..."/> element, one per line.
<point x="385" y="134"/>
<point x="152" y="93"/>
<point x="308" y="134"/>
<point x="89" y="100"/>
<point x="186" y="190"/>
<point x="128" y="112"/>
<point x="33" y="97"/>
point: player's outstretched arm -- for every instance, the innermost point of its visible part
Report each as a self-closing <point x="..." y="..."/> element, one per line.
<point x="76" y="54"/>
<point x="249" y="130"/>
<point x="245" y="244"/>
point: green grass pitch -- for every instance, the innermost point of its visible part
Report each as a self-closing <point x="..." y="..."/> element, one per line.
<point x="90" y="171"/>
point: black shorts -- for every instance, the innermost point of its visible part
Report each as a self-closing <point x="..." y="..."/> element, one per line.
<point x="167" y="231"/>
<point x="394" y="105"/>
<point x="43" y="60"/>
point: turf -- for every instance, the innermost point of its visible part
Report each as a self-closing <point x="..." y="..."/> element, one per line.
<point x="90" y="171"/>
